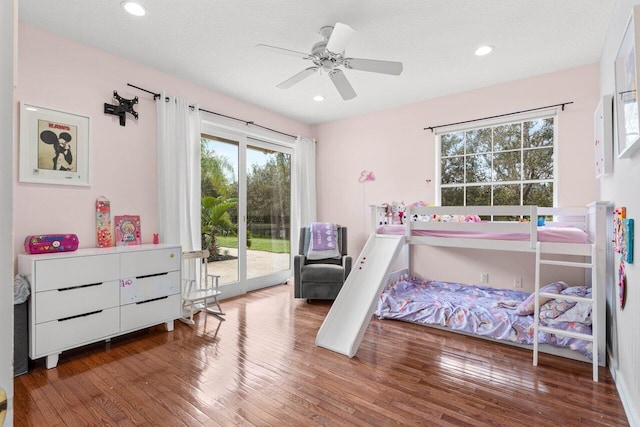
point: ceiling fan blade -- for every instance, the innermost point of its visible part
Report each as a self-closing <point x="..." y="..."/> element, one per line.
<point x="283" y="51"/>
<point x="298" y="77"/>
<point x="342" y="84"/>
<point x="340" y="38"/>
<point x="374" y="66"/>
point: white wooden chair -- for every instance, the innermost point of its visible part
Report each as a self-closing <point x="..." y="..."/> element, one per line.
<point x="199" y="288"/>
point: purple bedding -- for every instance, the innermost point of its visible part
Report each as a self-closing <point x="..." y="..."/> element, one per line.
<point x="477" y="310"/>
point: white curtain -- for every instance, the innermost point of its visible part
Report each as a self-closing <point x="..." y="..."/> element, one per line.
<point x="304" y="185"/>
<point x="178" y="146"/>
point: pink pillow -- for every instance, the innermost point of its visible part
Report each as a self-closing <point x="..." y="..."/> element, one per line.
<point x="528" y="305"/>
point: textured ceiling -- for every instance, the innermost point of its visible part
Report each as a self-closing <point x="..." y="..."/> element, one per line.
<point x="212" y="43"/>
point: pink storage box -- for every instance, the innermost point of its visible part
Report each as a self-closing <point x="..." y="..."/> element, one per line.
<point x="48" y="243"/>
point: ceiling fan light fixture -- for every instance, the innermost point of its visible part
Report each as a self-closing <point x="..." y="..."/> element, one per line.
<point x="484" y="50"/>
<point x="134" y="8"/>
<point x="328" y="57"/>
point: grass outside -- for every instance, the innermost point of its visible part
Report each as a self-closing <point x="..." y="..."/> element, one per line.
<point x="279" y="246"/>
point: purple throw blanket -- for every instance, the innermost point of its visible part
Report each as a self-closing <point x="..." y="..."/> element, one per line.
<point x="323" y="236"/>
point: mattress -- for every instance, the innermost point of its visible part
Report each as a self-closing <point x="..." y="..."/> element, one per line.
<point x="545" y="234"/>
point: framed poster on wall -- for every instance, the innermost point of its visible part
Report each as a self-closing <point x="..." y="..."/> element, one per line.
<point x="54" y="146"/>
<point x="626" y="79"/>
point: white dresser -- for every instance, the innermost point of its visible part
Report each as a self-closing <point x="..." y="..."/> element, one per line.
<point x="95" y="294"/>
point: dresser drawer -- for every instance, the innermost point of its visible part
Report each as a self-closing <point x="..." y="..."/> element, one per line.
<point x="136" y="264"/>
<point x="59" y="335"/>
<point x="67" y="302"/>
<point x="148" y="313"/>
<point x="149" y="287"/>
<point x="75" y="271"/>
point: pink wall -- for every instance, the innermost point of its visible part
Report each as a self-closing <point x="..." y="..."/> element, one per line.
<point x="393" y="144"/>
<point x="58" y="73"/>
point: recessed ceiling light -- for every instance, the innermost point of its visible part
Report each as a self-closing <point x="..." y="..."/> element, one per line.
<point x="484" y="50"/>
<point x="133" y="8"/>
<point x="318" y="98"/>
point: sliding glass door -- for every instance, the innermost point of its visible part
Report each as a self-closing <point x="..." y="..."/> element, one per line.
<point x="268" y="210"/>
<point x="246" y="210"/>
<point x="220" y="204"/>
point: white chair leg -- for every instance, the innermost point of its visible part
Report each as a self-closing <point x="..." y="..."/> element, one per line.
<point x="183" y="317"/>
<point x="215" y="313"/>
<point x="219" y="308"/>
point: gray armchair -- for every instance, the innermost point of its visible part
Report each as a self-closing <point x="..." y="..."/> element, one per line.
<point x="323" y="278"/>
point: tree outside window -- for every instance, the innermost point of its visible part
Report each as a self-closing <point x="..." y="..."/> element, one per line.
<point x="506" y="164"/>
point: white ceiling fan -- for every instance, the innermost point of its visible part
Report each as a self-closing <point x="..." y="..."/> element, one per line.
<point x="328" y="55"/>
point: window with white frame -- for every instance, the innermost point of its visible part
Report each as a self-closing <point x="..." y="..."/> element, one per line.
<point x="499" y="164"/>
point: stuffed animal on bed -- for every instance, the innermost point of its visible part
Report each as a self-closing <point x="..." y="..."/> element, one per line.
<point x="394" y="212"/>
<point x="401" y="210"/>
<point x="388" y="213"/>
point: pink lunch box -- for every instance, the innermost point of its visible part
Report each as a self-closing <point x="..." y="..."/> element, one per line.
<point x="48" y="243"/>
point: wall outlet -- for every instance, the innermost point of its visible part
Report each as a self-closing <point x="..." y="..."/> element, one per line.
<point x="484" y="277"/>
<point x="517" y="282"/>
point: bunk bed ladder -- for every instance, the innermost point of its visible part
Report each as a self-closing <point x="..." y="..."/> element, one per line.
<point x="567" y="249"/>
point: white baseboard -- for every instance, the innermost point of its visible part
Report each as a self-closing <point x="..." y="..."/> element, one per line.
<point x="631" y="408"/>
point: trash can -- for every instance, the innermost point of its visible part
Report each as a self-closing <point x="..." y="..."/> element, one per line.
<point x="21" y="292"/>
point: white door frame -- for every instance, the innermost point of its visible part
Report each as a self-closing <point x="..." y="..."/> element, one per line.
<point x="8" y="63"/>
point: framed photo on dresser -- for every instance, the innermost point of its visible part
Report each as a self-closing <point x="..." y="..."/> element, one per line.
<point x="127" y="230"/>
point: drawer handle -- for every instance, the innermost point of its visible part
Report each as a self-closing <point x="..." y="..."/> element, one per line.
<point x="79" y="315"/>
<point x="152" y="275"/>
<point x="80" y="286"/>
<point x="152" y="300"/>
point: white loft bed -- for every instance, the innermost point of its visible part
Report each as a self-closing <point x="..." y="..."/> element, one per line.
<point x="588" y="231"/>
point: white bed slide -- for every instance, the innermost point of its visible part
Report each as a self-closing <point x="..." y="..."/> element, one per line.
<point x="349" y="316"/>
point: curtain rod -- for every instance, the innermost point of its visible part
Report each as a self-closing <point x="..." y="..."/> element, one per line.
<point x="431" y="128"/>
<point x="157" y="95"/>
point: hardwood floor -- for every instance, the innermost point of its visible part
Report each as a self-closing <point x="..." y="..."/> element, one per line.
<point x="262" y="368"/>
